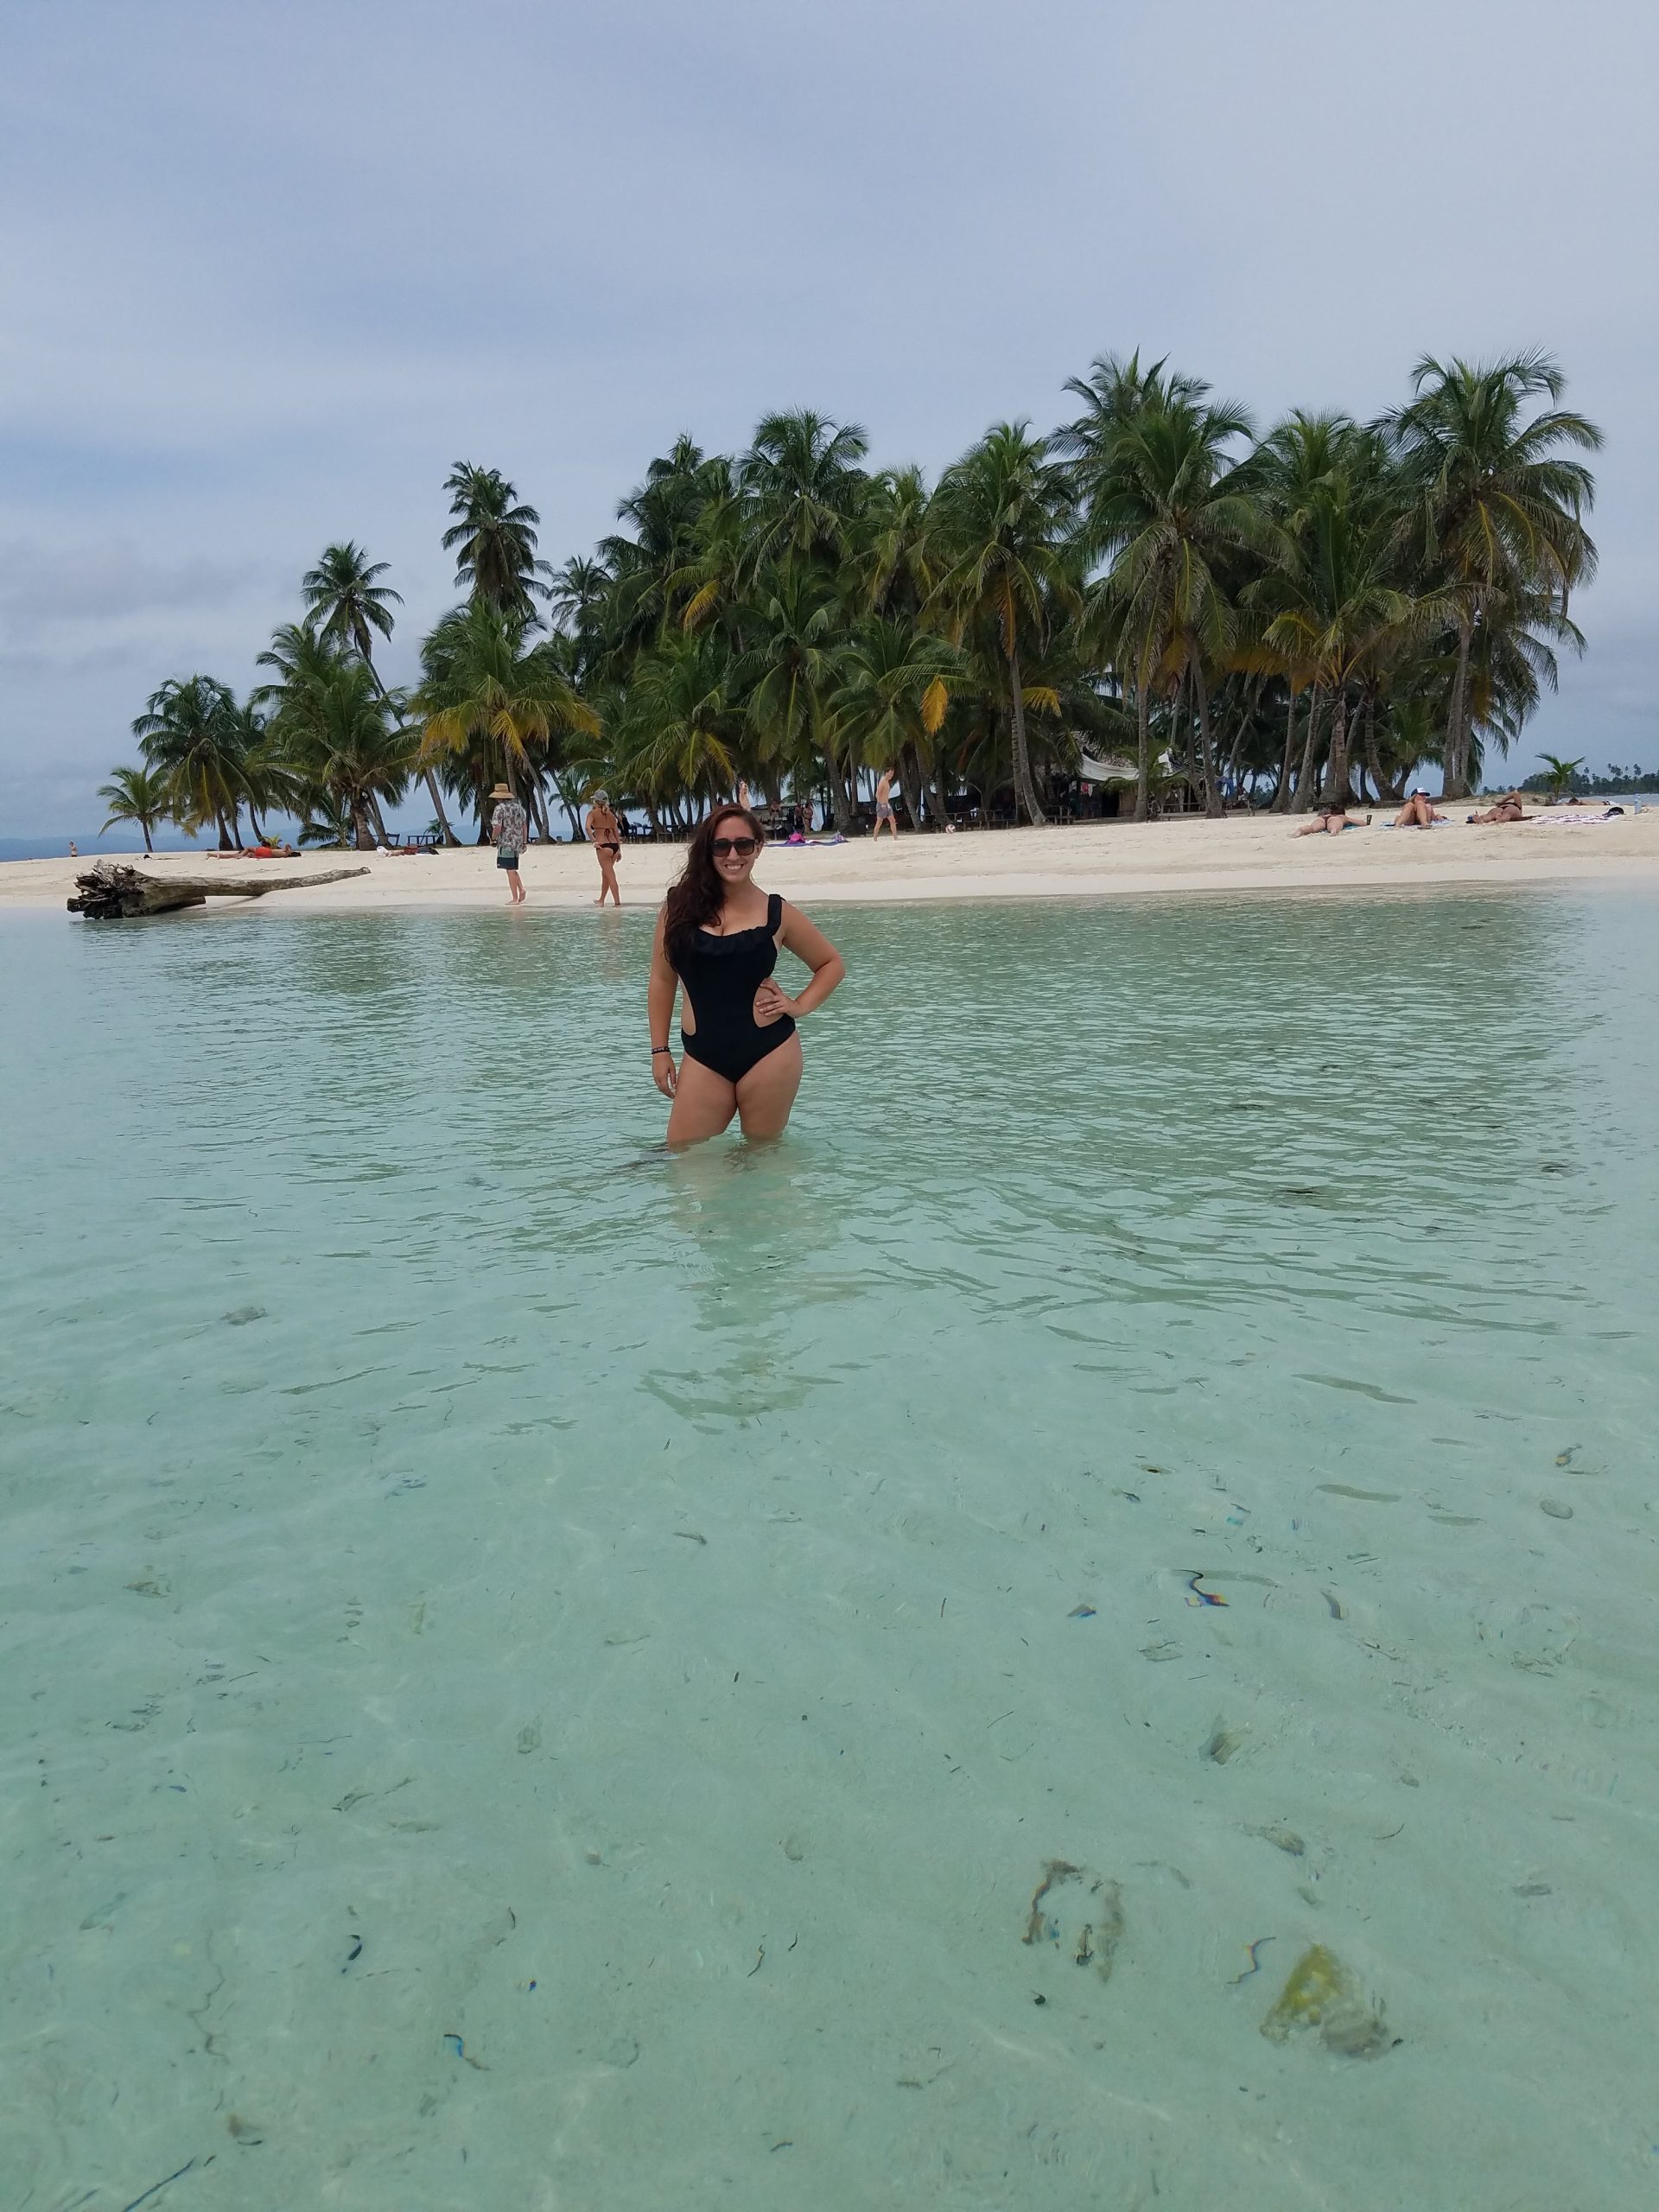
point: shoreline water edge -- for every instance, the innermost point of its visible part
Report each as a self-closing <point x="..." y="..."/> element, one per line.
<point x="1237" y="856"/>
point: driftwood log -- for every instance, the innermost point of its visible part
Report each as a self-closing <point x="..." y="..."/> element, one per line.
<point x="110" y="891"/>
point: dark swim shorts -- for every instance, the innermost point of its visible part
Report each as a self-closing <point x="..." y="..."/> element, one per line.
<point x="506" y="859"/>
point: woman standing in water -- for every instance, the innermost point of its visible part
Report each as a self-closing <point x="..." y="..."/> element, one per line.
<point x="717" y="940"/>
<point x="605" y="834"/>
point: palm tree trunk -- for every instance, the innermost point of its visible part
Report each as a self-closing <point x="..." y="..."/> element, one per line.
<point x="1024" y="790"/>
<point x="148" y="847"/>
<point x="1454" y="773"/>
<point x="572" y="807"/>
<point x="1142" y="751"/>
<point x="1212" y="805"/>
<point x="1302" y="799"/>
<point x="928" y="791"/>
<point x="436" y="797"/>
<point x="844" y="807"/>
<point x="1230" y="777"/>
<point x="1336" y="784"/>
<point x="378" y="819"/>
<point x="910" y="769"/>
<point x="1371" y="761"/>
<point x="1282" y="797"/>
<point x="362" y="833"/>
<point x="449" y="836"/>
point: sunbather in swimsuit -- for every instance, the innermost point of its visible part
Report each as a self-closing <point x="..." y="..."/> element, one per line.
<point x="605" y="832"/>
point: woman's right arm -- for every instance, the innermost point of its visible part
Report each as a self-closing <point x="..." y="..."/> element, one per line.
<point x="660" y="1004"/>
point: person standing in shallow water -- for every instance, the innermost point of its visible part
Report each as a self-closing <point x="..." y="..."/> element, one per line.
<point x="508" y="834"/>
<point x="717" y="942"/>
<point x="604" y="834"/>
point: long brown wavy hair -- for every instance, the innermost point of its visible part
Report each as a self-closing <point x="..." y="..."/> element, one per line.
<point x="695" y="898"/>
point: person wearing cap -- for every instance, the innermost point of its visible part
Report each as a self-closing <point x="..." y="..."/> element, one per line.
<point x="508" y="834"/>
<point x="1417" y="812"/>
<point x="604" y="834"/>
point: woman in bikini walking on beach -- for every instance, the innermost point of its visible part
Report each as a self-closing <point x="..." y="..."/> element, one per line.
<point x="605" y="834"/>
<point x="717" y="942"/>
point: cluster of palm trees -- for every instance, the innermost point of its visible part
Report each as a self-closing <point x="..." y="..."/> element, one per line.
<point x="1263" y="619"/>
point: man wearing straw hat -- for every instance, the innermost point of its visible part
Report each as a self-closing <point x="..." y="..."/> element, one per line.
<point x="508" y="834"/>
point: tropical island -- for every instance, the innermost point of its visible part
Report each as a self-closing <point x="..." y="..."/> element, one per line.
<point x="1154" y="607"/>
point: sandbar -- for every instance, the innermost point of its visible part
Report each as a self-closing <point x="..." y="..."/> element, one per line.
<point x="1239" y="855"/>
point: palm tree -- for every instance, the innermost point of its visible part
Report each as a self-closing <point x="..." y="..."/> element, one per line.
<point x="652" y="571"/>
<point x="1173" y="513"/>
<point x="1499" y="503"/>
<point x="137" y="795"/>
<point x="340" y="741"/>
<point x="300" y="656"/>
<point x="788" y="673"/>
<point x="267" y="781"/>
<point x="189" y="737"/>
<point x="483" y="682"/>
<point x="577" y="600"/>
<point x="305" y="664"/>
<point x="1115" y="393"/>
<point x="802" y="479"/>
<point x="894" y="694"/>
<point x="346" y="601"/>
<point x="327" y="821"/>
<point x="999" y="513"/>
<point x="494" y="540"/>
<point x="1512" y="662"/>
<point x="679" y="730"/>
<point x="1334" y="608"/>
<point x="892" y="557"/>
<point x="1302" y="459"/>
<point x="1561" y="773"/>
<point x="709" y="585"/>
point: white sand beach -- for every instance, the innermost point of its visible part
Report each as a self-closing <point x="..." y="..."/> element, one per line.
<point x="1241" y="855"/>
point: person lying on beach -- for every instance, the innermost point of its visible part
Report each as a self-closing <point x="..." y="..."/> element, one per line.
<point x="1507" y="809"/>
<point x="1417" y="813"/>
<point x="1333" y="818"/>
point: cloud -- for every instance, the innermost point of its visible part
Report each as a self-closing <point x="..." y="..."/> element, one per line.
<point x="74" y="586"/>
<point x="271" y="298"/>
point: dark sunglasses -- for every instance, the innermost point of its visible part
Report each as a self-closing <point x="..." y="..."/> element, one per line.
<point x="742" y="847"/>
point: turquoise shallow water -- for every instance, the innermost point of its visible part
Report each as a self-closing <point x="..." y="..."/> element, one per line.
<point x="537" y="1673"/>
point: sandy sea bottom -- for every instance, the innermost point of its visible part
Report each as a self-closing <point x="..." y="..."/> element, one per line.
<point x="537" y="1673"/>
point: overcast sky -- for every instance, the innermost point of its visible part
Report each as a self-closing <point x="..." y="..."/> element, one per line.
<point x="269" y="267"/>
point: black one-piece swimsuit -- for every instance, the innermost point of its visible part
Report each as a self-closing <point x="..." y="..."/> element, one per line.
<point x="722" y="976"/>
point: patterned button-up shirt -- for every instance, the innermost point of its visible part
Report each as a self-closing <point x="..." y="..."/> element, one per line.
<point x="509" y="827"/>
